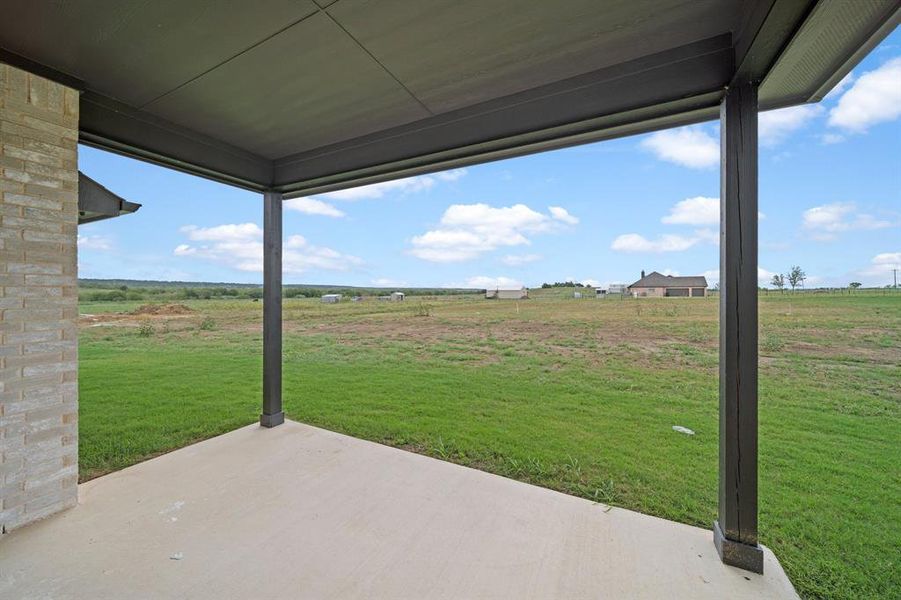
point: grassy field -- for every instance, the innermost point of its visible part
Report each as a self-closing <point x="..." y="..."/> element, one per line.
<point x="575" y="395"/>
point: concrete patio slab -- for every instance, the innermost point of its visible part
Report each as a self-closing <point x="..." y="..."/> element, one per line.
<point x="299" y="512"/>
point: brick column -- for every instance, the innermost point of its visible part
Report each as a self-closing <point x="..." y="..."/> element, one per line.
<point x="38" y="297"/>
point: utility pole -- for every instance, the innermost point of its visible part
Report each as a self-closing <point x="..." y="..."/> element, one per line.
<point x="895" y="275"/>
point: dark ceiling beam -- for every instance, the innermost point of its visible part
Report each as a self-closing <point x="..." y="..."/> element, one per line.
<point x="689" y="111"/>
<point x="764" y="36"/>
<point x="113" y="126"/>
<point x="44" y="71"/>
<point x="575" y="110"/>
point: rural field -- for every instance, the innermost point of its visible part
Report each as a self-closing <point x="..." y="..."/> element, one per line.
<point x="576" y="395"/>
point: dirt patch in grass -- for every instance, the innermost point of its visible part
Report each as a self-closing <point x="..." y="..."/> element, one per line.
<point x="166" y="310"/>
<point x="154" y="312"/>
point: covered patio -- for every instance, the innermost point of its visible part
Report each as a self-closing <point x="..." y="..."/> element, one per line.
<point x="290" y="99"/>
<point x="299" y="512"/>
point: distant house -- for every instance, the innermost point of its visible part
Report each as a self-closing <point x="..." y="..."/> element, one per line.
<point x="655" y="284"/>
<point x="616" y="288"/>
<point x="508" y="294"/>
<point x="397" y="296"/>
<point x="331" y="298"/>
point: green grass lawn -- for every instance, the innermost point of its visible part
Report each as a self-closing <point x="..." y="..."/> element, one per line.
<point x="578" y="396"/>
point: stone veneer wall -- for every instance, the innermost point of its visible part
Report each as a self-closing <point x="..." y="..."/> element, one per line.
<point x="38" y="297"/>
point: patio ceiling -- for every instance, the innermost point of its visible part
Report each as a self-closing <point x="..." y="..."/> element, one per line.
<point x="303" y="96"/>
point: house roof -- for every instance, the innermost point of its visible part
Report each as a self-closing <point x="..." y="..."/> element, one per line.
<point x="307" y="96"/>
<point x="96" y="203"/>
<point x="655" y="279"/>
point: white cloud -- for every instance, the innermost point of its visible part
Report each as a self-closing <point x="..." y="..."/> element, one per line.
<point x="561" y="214"/>
<point x="94" y="242"/>
<point x="840" y="87"/>
<point x="764" y="276"/>
<point x="699" y="210"/>
<point x="517" y="260"/>
<point x="881" y="267"/>
<point x="595" y="283"/>
<point x="397" y="186"/>
<point x="240" y="246"/>
<point x="774" y="126"/>
<point x="889" y="259"/>
<point x="691" y="147"/>
<point x="874" y="98"/>
<point x="633" y="242"/>
<point x="832" y="138"/>
<point x="492" y="283"/>
<point x="712" y="276"/>
<point x="452" y="175"/>
<point x="243" y="232"/>
<point x="698" y="147"/>
<point x="312" y="206"/>
<point x="388" y="282"/>
<point x="826" y="221"/>
<point x="467" y="231"/>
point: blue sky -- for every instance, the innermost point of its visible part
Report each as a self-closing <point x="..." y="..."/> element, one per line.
<point x="830" y="198"/>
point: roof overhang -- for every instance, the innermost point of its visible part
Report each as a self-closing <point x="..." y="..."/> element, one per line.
<point x="96" y="203"/>
<point x="306" y="97"/>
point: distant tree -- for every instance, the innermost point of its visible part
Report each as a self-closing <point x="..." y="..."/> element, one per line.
<point x="854" y="285"/>
<point x="796" y="277"/>
<point x="778" y="282"/>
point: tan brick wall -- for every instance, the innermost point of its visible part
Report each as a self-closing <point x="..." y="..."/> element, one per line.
<point x="38" y="297"/>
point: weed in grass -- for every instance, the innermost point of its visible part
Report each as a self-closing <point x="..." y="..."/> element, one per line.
<point x="536" y="467"/>
<point x="208" y="324"/>
<point x="146" y="329"/>
<point x="772" y="342"/>
<point x="574" y="467"/>
<point x="513" y="467"/>
<point x="442" y="450"/>
<point x="423" y="310"/>
<point x="884" y="341"/>
<point x="696" y="335"/>
<point x="605" y="493"/>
